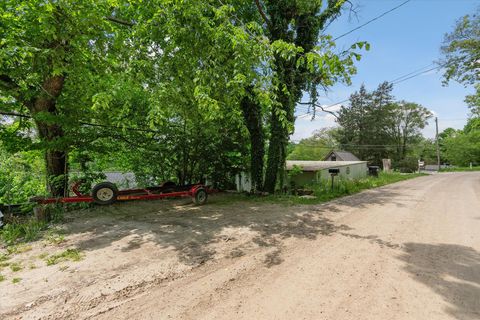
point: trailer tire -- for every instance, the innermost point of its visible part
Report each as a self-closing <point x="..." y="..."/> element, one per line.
<point x="200" y="196"/>
<point x="105" y="193"/>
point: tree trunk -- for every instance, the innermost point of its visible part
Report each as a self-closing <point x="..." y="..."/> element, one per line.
<point x="51" y="134"/>
<point x="274" y="153"/>
<point x="252" y="114"/>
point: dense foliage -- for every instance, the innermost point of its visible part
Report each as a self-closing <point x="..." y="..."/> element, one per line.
<point x="170" y="90"/>
<point x="374" y="126"/>
<point x="461" y="50"/>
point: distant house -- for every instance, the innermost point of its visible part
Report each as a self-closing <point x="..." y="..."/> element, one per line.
<point x="315" y="171"/>
<point x="340" y="156"/>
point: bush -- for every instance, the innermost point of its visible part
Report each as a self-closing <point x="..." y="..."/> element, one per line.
<point x="407" y="165"/>
<point x="13" y="233"/>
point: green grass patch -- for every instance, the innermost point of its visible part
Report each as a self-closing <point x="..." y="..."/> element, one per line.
<point x="2" y="278"/>
<point x="54" y="236"/>
<point x="16" y="280"/>
<point x="323" y="191"/>
<point x="460" y="169"/>
<point x="13" y="233"/>
<point x="69" y="254"/>
<point x="15" y="267"/>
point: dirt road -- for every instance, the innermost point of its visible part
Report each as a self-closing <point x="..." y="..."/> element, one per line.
<point x="410" y="250"/>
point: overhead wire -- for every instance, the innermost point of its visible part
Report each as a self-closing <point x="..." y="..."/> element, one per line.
<point x="400" y="79"/>
<point x="371" y="20"/>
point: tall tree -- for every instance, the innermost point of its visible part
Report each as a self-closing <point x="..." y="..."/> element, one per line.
<point x="461" y="56"/>
<point x="52" y="54"/>
<point x="364" y="123"/>
<point x="303" y="59"/>
<point x="406" y="119"/>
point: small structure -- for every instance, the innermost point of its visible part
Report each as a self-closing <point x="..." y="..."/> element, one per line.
<point x="335" y="155"/>
<point x="387" y="165"/>
<point x="310" y="172"/>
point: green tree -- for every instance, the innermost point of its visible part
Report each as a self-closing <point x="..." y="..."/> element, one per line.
<point x="365" y="123"/>
<point x="462" y="147"/>
<point x="303" y="59"/>
<point x="406" y="119"/>
<point x="461" y="56"/>
<point x="53" y="53"/>
<point x="315" y="147"/>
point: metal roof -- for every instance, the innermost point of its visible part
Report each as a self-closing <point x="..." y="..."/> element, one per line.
<point x="319" y="165"/>
<point x="343" y="155"/>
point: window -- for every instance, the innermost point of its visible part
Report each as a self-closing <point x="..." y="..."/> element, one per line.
<point x="333" y="158"/>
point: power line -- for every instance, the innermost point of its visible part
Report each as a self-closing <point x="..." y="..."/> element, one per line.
<point x="370" y="21"/>
<point x="401" y="79"/>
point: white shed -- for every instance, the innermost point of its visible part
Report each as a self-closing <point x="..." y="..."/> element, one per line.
<point x="314" y="171"/>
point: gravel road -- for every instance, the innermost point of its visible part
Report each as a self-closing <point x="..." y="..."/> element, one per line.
<point x="406" y="251"/>
<point x="410" y="250"/>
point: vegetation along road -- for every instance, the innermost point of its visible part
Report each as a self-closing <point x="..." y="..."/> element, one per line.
<point x="409" y="250"/>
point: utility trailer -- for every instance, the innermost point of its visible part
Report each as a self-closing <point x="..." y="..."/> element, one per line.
<point x="106" y="193"/>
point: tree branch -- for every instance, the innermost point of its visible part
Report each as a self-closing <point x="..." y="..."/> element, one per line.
<point x="120" y="21"/>
<point x="14" y="114"/>
<point x="262" y="13"/>
<point x="319" y="107"/>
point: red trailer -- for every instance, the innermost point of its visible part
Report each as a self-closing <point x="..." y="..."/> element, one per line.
<point x="107" y="193"/>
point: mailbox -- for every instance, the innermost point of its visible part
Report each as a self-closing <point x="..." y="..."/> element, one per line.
<point x="334" y="171"/>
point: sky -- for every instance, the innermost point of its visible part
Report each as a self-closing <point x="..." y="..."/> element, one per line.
<point x="403" y="41"/>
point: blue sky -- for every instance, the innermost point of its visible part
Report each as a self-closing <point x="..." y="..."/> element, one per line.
<point x="403" y="41"/>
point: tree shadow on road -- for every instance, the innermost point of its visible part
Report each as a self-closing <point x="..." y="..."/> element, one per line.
<point x="452" y="271"/>
<point x="195" y="233"/>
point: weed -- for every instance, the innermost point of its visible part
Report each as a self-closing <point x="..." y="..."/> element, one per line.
<point x="32" y="230"/>
<point x="18" y="249"/>
<point x="323" y="191"/>
<point x="54" y="237"/>
<point x="4" y="257"/>
<point x="43" y="255"/>
<point x="16" y="267"/>
<point x="69" y="254"/>
<point x="2" y="278"/>
<point x="13" y="233"/>
<point x="32" y="266"/>
<point x="16" y="280"/>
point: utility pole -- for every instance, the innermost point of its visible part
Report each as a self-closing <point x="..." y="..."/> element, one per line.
<point x="436" y="138"/>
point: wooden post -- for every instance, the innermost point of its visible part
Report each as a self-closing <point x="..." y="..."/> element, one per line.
<point x="438" y="148"/>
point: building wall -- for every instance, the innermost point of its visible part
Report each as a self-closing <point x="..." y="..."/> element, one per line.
<point x="353" y="171"/>
<point x="243" y="182"/>
<point x="332" y="157"/>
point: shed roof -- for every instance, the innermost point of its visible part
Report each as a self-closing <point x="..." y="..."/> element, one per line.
<point x="319" y="165"/>
<point x="343" y="155"/>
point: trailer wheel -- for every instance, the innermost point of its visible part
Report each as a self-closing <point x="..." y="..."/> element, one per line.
<point x="105" y="193"/>
<point x="200" y="196"/>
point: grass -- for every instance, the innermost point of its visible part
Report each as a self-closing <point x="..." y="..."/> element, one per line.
<point x="2" y="278"/>
<point x="459" y="169"/>
<point x="54" y="236"/>
<point x="15" y="267"/>
<point x="69" y="254"/>
<point x="13" y="233"/>
<point x="16" y="280"/>
<point x="323" y="192"/>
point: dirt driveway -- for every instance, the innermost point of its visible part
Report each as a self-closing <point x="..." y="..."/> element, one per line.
<point x="410" y="250"/>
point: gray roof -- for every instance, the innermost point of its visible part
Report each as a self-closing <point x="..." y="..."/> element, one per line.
<point x="319" y="165"/>
<point x="343" y="155"/>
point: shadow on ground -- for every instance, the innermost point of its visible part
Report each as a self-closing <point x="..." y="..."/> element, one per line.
<point x="452" y="271"/>
<point x="193" y="232"/>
